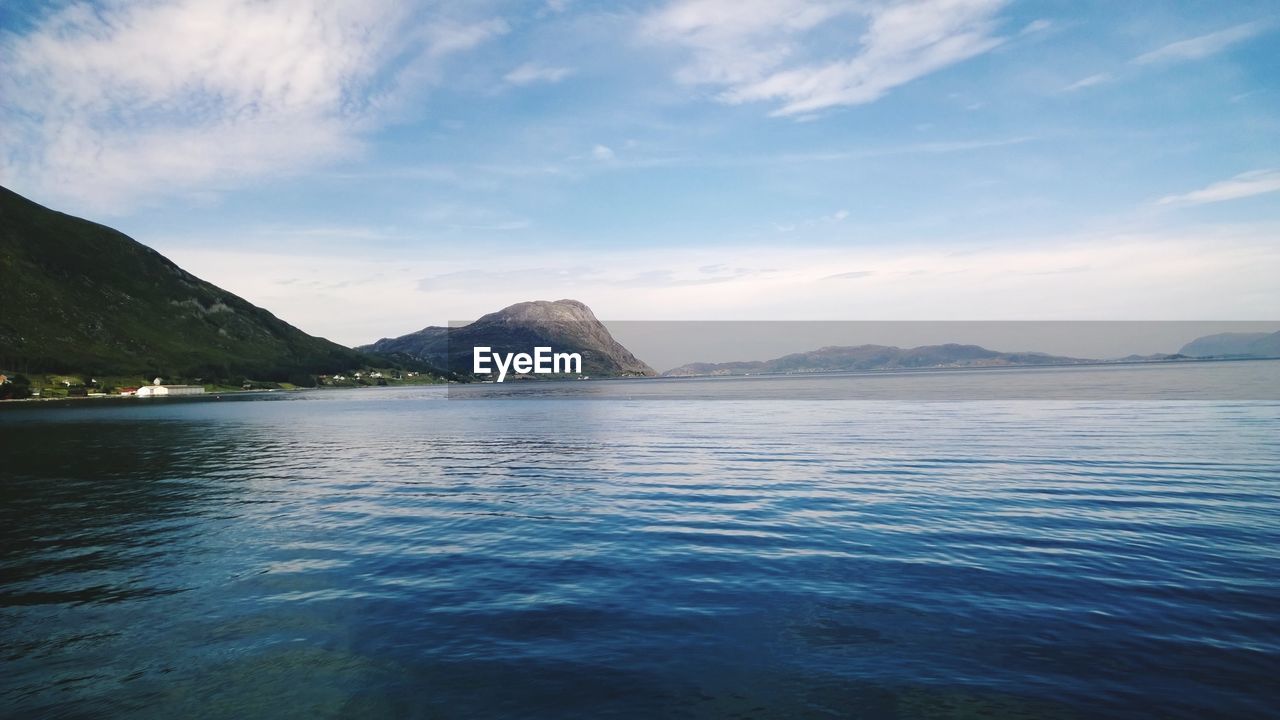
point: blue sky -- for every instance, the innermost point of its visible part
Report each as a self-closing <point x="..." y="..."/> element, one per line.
<point x="366" y="168"/>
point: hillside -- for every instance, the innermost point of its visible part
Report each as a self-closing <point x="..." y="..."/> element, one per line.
<point x="565" y="325"/>
<point x="1234" y="345"/>
<point x="874" y="357"/>
<point x="76" y="296"/>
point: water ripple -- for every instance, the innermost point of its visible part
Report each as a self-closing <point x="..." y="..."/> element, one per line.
<point x="328" y="555"/>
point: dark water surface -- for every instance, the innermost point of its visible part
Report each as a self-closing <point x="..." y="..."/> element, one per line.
<point x="395" y="553"/>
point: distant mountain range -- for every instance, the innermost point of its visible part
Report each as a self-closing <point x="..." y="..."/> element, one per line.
<point x="876" y="357"/>
<point x="564" y="325"/>
<point x="882" y="357"/>
<point x="1234" y="345"/>
<point x="76" y="296"/>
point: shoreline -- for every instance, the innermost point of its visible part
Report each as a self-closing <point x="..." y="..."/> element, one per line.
<point x="117" y="396"/>
<point x="218" y="395"/>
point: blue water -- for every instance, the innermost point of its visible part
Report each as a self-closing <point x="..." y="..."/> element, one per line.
<point x="380" y="552"/>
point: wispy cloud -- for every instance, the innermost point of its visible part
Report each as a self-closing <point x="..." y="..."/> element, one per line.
<point x="507" y="226"/>
<point x="581" y="276"/>
<point x="336" y="233"/>
<point x="1090" y="81"/>
<point x="834" y="218"/>
<point x="493" y="280"/>
<point x="1258" y="182"/>
<point x="679" y="277"/>
<point x="470" y="217"/>
<point x="602" y="152"/>
<point x="1195" y="48"/>
<point x="765" y="51"/>
<point x="1036" y="26"/>
<point x="105" y="104"/>
<point x="827" y="156"/>
<point x="1203" y="46"/>
<point x="531" y="73"/>
<point x="851" y="275"/>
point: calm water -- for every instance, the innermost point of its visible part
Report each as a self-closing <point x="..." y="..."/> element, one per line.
<point x="397" y="553"/>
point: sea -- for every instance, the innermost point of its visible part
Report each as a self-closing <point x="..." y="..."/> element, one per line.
<point x="1098" y="542"/>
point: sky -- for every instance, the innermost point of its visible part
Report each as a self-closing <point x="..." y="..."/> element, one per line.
<point x="364" y="168"/>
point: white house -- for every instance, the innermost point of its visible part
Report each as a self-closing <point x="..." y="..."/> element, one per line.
<point x="156" y="389"/>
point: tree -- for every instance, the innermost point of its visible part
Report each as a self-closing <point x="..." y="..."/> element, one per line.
<point x="302" y="380"/>
<point x="18" y="387"/>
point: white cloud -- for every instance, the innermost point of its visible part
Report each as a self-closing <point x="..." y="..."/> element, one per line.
<point x="1244" y="185"/>
<point x="530" y="73"/>
<point x="602" y="152"/>
<point x="1203" y="46"/>
<point x="106" y="104"/>
<point x="766" y="50"/>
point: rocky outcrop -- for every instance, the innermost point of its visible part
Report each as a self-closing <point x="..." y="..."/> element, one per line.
<point x="563" y="325"/>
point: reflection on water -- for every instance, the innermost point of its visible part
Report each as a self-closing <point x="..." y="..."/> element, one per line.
<point x="392" y="553"/>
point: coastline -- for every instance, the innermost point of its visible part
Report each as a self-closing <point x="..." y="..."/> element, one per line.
<point x="131" y="398"/>
<point x="218" y="395"/>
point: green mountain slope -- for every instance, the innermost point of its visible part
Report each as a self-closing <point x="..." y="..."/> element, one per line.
<point x="79" y="296"/>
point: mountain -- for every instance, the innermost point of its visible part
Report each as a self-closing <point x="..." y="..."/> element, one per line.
<point x="1234" y="345"/>
<point x="563" y="325"/>
<point x="875" y="357"/>
<point x="76" y="296"/>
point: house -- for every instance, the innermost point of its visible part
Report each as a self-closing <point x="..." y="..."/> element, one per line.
<point x="156" y="389"/>
<point x="163" y="390"/>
